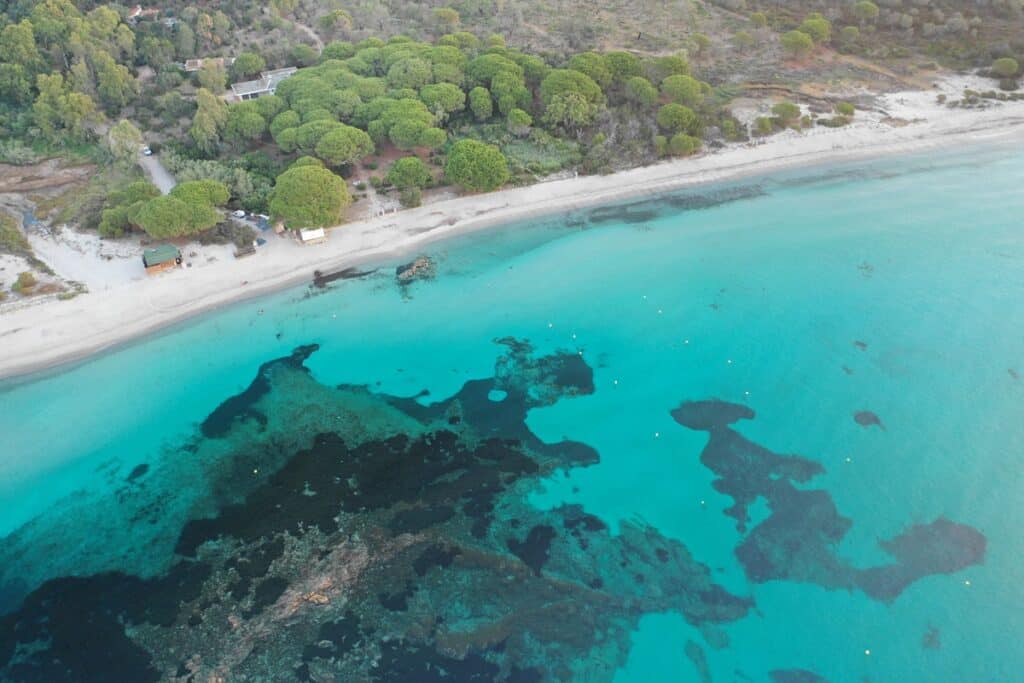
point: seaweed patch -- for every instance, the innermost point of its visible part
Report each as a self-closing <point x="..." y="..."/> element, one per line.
<point x="798" y="539"/>
<point x="397" y="543"/>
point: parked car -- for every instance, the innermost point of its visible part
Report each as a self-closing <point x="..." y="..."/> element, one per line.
<point x="238" y="214"/>
<point x="146" y="151"/>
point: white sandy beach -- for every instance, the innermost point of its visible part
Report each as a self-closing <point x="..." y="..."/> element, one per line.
<point x="123" y="303"/>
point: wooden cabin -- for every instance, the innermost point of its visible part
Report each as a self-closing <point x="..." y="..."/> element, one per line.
<point x="164" y="257"/>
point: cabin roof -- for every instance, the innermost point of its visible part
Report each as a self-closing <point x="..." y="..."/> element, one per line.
<point x="161" y="254"/>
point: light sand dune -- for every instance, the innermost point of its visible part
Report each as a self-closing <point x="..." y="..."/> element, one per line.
<point x="37" y="337"/>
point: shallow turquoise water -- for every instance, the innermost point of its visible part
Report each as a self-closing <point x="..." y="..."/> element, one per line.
<point x="895" y="287"/>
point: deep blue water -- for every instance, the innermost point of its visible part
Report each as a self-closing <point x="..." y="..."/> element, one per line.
<point x="763" y="431"/>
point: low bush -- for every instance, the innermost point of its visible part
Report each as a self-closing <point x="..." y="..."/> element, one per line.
<point x="410" y="197"/>
<point x="25" y="283"/>
<point x="228" y="232"/>
<point x="11" y="239"/>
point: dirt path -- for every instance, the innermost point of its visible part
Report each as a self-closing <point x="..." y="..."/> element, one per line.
<point x="164" y="181"/>
<point x="319" y="44"/>
<point x="914" y="82"/>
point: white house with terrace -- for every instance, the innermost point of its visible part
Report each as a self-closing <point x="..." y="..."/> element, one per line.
<point x="266" y="84"/>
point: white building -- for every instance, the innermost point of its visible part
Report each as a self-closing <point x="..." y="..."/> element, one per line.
<point x="265" y="85"/>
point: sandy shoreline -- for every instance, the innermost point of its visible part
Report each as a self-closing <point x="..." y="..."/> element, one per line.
<point x="39" y="337"/>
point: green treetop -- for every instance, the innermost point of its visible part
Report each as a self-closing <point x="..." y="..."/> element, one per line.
<point x="796" y="43"/>
<point x="309" y="196"/>
<point x="344" y="145"/>
<point x="409" y="172"/>
<point x="683" y="89"/>
<point x="476" y="166"/>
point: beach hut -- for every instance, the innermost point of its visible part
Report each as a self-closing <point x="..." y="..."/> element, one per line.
<point x="162" y="258"/>
<point x="312" y="236"/>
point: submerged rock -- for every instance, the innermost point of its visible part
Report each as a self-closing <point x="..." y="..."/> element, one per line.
<point x="866" y="418"/>
<point x="795" y="676"/>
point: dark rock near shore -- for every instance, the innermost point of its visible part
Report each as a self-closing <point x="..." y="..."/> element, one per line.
<point x="422" y="268"/>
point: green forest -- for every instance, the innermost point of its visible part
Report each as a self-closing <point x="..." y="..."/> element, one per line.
<point x="433" y="97"/>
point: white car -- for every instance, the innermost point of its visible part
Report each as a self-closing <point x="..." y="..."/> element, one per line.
<point x="238" y="214"/>
<point x="146" y="151"/>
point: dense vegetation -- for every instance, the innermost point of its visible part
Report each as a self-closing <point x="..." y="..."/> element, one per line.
<point x="448" y="103"/>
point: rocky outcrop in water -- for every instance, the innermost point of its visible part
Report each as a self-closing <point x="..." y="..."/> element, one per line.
<point x="422" y="268"/>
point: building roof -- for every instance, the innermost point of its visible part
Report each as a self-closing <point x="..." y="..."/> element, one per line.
<point x="161" y="254"/>
<point x="197" y="64"/>
<point x="137" y="12"/>
<point x="307" y="234"/>
<point x="268" y="82"/>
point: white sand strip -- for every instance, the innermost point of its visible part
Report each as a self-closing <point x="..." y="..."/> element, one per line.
<point x="37" y="337"/>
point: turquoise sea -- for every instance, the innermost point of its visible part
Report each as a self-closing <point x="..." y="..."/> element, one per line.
<point x="771" y="430"/>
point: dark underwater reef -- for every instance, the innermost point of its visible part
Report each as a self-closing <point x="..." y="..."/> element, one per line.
<point x="409" y="557"/>
<point x="798" y="539"/>
<point x="399" y="545"/>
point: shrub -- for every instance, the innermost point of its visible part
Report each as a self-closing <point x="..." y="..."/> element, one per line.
<point x="661" y="145"/>
<point x="640" y="90"/>
<point x="480" y="103"/>
<point x="228" y="232"/>
<point x="845" y="108"/>
<point x="743" y="40"/>
<point x="682" y="89"/>
<point x="817" y="27"/>
<point x="678" y="119"/>
<point x="411" y="197"/>
<point x="787" y="112"/>
<point x="796" y="43"/>
<point x="1005" y="67"/>
<point x="16" y="153"/>
<point x="834" y="122"/>
<point x="682" y="145"/>
<point x="11" y="239"/>
<point x="730" y="131"/>
<point x="865" y="11"/>
<point x="25" y="283"/>
<point x="763" y="125"/>
<point x="519" y="122"/>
